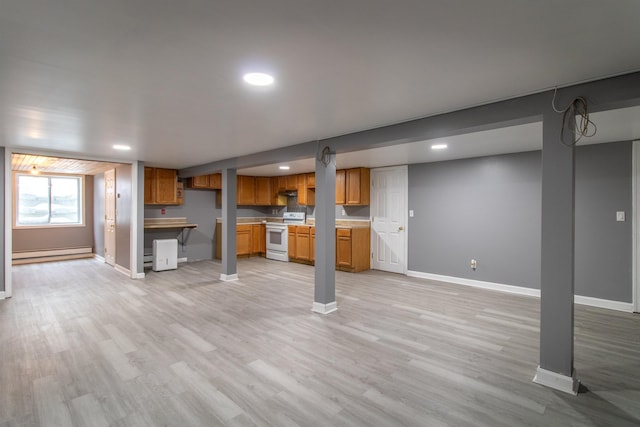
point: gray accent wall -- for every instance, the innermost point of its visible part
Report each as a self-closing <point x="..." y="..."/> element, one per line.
<point x="30" y="239"/>
<point x="98" y="214"/>
<point x="486" y="209"/>
<point x="123" y="217"/>
<point x="489" y="209"/>
<point x="2" y="218"/>
<point x="199" y="208"/>
<point x="603" y="246"/>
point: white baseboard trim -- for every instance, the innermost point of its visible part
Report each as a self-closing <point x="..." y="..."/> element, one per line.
<point x="518" y="290"/>
<point x="228" y="277"/>
<point x="182" y="260"/>
<point x="99" y="258"/>
<point x="138" y="276"/>
<point x="321" y="308"/>
<point x="2" y="295"/>
<point x="604" y="303"/>
<point x="122" y="270"/>
<point x="557" y="381"/>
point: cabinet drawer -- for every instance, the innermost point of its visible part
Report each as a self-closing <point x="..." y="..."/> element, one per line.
<point x="343" y="232"/>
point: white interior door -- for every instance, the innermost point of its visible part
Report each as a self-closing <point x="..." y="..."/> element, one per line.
<point x="110" y="216"/>
<point x="388" y="216"/>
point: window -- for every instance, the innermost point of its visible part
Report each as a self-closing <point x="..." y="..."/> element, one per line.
<point x="48" y="200"/>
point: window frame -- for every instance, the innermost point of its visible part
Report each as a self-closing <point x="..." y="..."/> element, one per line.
<point x="81" y="194"/>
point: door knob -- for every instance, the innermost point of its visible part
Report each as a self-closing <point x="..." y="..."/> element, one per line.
<point x="400" y="228"/>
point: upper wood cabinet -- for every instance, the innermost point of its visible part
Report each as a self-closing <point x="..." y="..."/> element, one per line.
<point x="340" y="187"/>
<point x="306" y="195"/>
<point x="263" y="191"/>
<point x="215" y="181"/>
<point x="291" y="182"/>
<point x="246" y="191"/>
<point x="357" y="187"/>
<point x="160" y="186"/>
<point x="277" y="186"/>
<point x="206" y="182"/>
<point x="311" y="180"/>
<point x="201" y="181"/>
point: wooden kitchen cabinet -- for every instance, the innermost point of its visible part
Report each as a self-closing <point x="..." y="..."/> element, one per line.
<point x="357" y="186"/>
<point x="353" y="249"/>
<point x="340" y="187"/>
<point x="246" y="191"/>
<point x="291" y="182"/>
<point x="243" y="240"/>
<point x="258" y="239"/>
<point x="306" y="195"/>
<point x="311" y="180"/>
<point x="291" y="242"/>
<point x="160" y="186"/>
<point x="215" y="181"/>
<point x="277" y="185"/>
<point x="300" y="243"/>
<point x="263" y="191"/>
<point x="200" y="181"/>
<point x="303" y="252"/>
<point x="250" y="240"/>
<point x="206" y="182"/>
<point x="312" y="244"/>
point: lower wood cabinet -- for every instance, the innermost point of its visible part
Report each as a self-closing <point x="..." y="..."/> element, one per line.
<point x="352" y="247"/>
<point x="251" y="239"/>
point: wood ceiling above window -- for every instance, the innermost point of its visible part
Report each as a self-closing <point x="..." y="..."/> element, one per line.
<point x="45" y="164"/>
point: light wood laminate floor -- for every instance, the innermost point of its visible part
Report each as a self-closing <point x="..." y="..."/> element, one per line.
<point x="81" y="344"/>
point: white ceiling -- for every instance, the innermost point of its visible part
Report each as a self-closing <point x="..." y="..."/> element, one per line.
<point x="165" y="76"/>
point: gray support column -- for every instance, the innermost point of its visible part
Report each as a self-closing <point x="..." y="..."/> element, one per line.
<point x="557" y="261"/>
<point x="138" y="268"/>
<point x="324" y="298"/>
<point x="2" y="222"/>
<point x="229" y="260"/>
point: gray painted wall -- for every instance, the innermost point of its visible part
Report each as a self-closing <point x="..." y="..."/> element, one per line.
<point x="2" y="217"/>
<point x="60" y="237"/>
<point x="199" y="208"/>
<point x="603" y="246"/>
<point x="98" y="214"/>
<point x="485" y="208"/>
<point x="488" y="208"/>
<point x="123" y="218"/>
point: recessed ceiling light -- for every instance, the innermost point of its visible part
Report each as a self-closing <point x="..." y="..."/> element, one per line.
<point x="438" y="146"/>
<point x="284" y="168"/>
<point x="121" y="147"/>
<point x="258" y="79"/>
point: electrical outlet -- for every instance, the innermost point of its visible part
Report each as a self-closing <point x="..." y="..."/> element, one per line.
<point x="344" y="213"/>
<point x="474" y="264"/>
<point x="620" y="216"/>
<point x="410" y="213"/>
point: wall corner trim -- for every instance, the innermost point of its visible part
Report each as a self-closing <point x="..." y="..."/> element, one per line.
<point x="321" y="308"/>
<point x="518" y="290"/>
<point x="99" y="258"/>
<point x="228" y="277"/>
<point x="557" y="381"/>
<point x="122" y="270"/>
<point x="138" y="276"/>
<point x="2" y="295"/>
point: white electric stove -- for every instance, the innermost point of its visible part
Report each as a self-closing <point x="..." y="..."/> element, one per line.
<point x="278" y="237"/>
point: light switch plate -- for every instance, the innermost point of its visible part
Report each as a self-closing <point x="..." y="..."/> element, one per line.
<point x="620" y="216"/>
<point x="410" y="213"/>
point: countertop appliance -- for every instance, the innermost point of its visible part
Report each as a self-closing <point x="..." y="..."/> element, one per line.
<point x="278" y="236"/>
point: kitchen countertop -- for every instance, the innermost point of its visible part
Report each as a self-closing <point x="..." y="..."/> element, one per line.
<point x="340" y="223"/>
